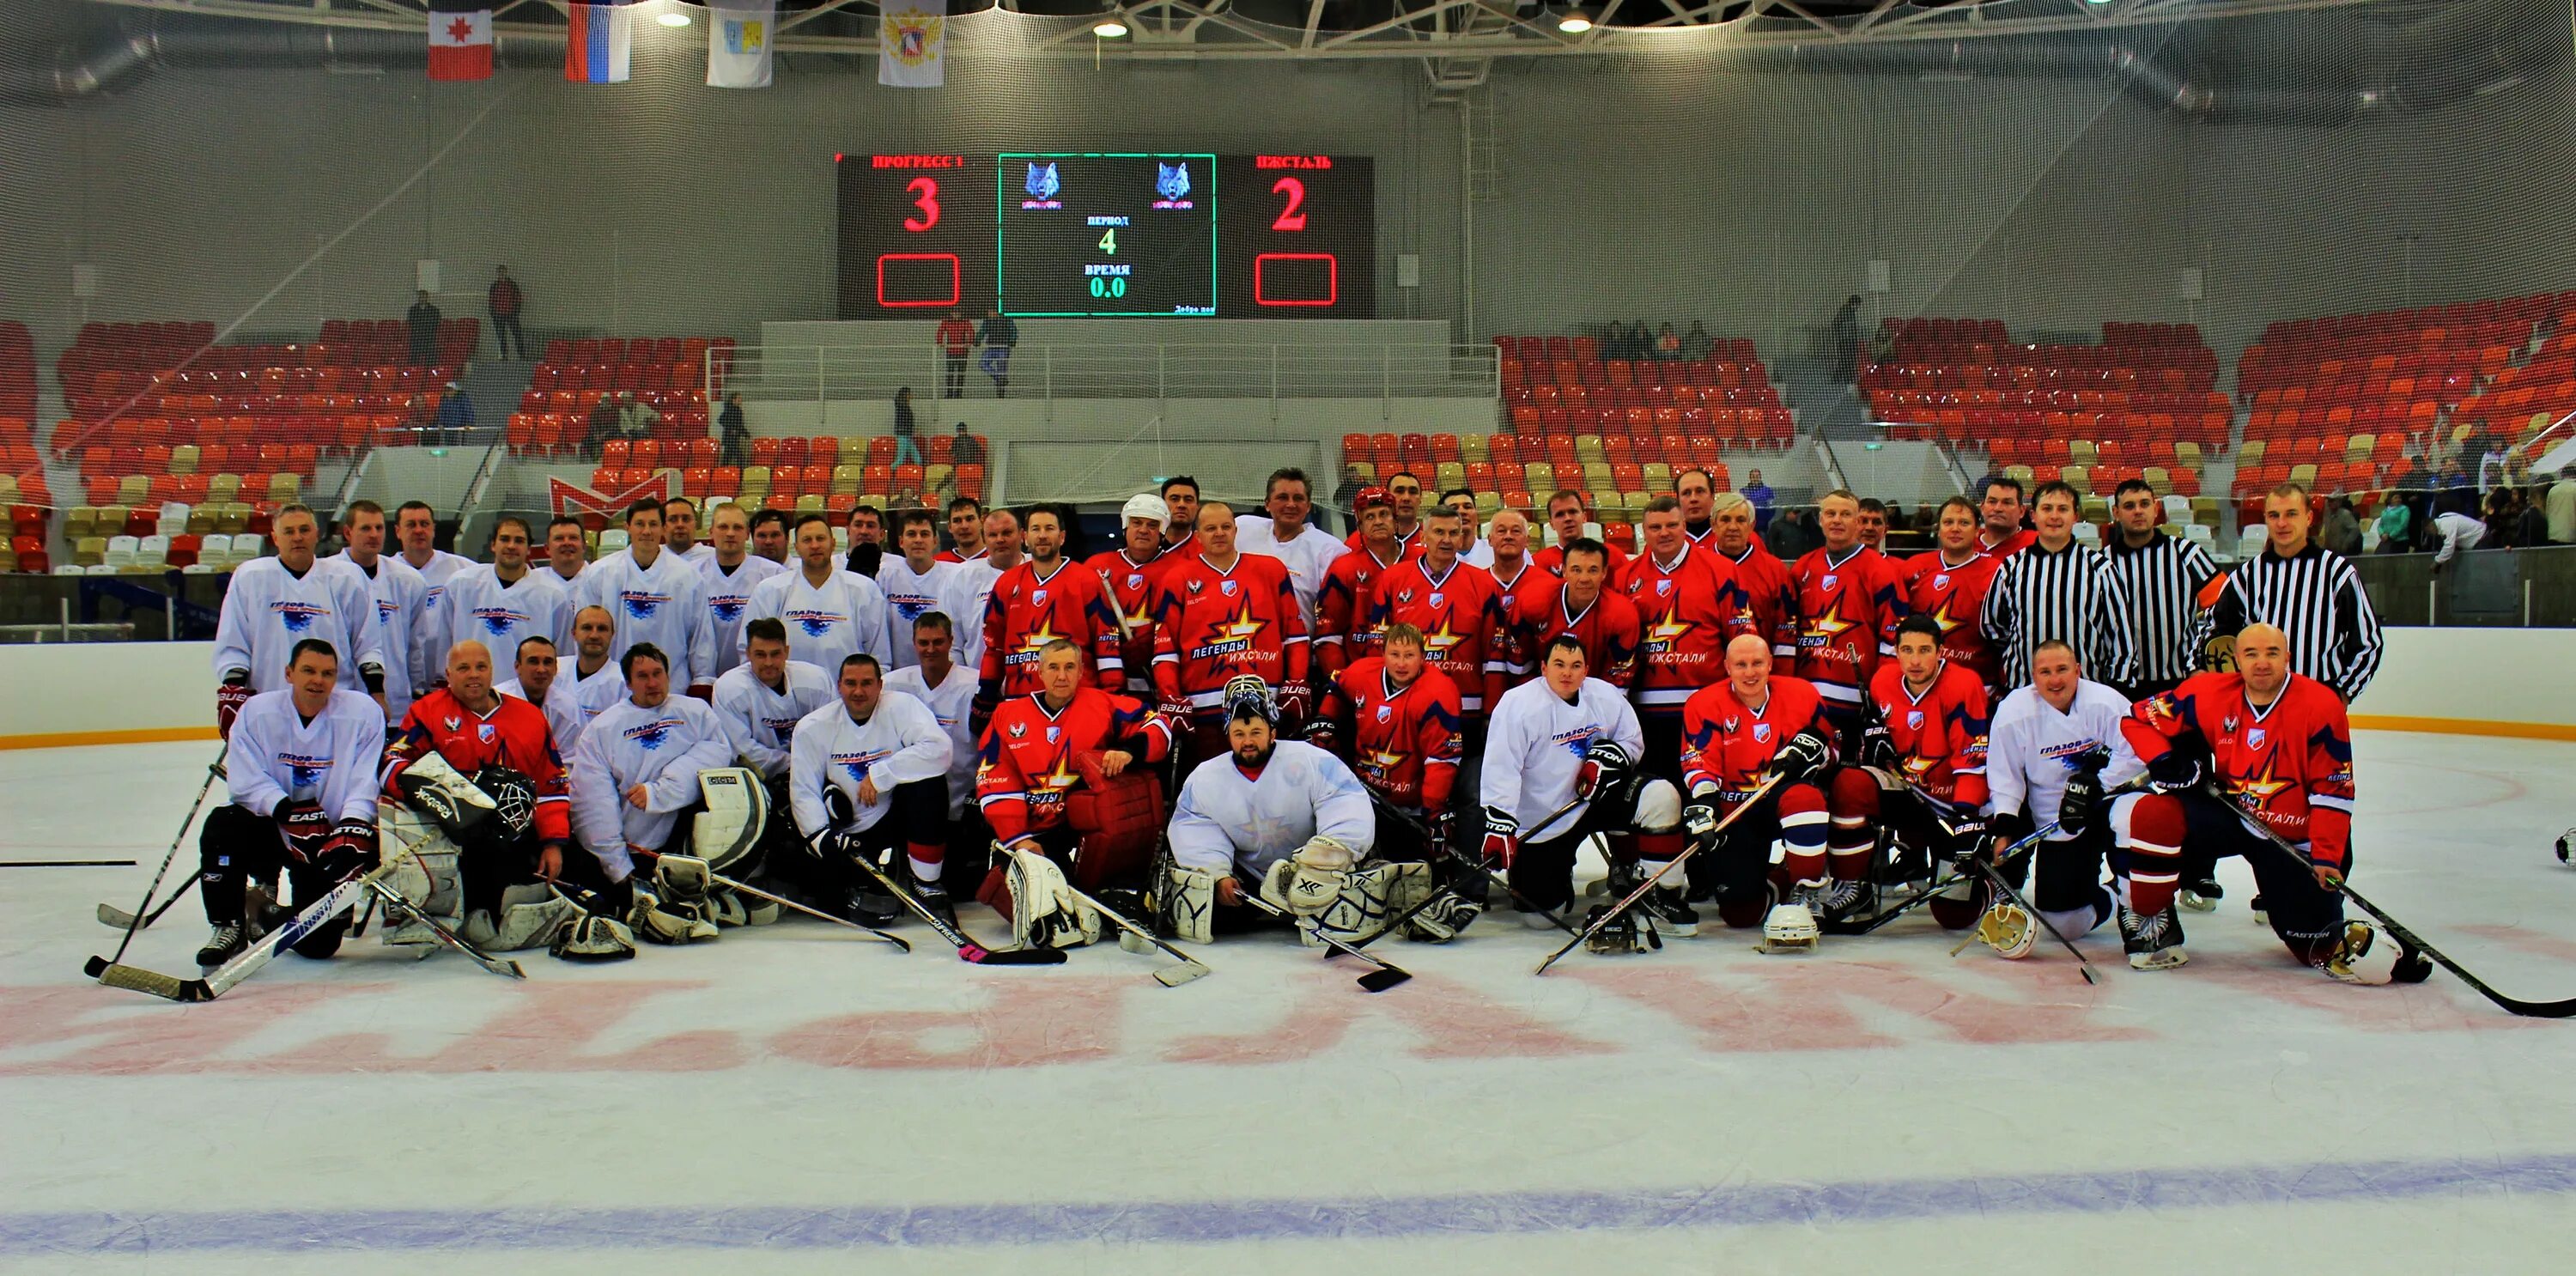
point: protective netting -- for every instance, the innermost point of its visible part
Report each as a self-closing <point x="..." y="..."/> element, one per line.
<point x="288" y="193"/>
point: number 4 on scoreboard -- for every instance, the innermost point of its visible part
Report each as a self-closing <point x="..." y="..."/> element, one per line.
<point x="1109" y="240"/>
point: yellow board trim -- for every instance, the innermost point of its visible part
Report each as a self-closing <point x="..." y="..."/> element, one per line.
<point x="83" y="739"/>
<point x="2466" y="726"/>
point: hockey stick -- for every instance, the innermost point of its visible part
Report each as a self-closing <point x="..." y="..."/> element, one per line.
<point x="213" y="770"/>
<point x="2083" y="966"/>
<point x="67" y="863"/>
<point x="1466" y="863"/>
<point x="111" y="915"/>
<point x="1387" y="975"/>
<point x="967" y="948"/>
<point x="784" y="902"/>
<point x="248" y="961"/>
<point x="399" y="905"/>
<point x="2528" y="1009"/>
<point x="1629" y="900"/>
<point x="1169" y="976"/>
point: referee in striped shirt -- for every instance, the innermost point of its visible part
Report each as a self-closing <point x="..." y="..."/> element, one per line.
<point x="2162" y="575"/>
<point x="2059" y="589"/>
<point x="2310" y="592"/>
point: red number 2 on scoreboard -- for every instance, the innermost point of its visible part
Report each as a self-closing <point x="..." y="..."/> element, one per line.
<point x="1289" y="217"/>
<point x="925" y="192"/>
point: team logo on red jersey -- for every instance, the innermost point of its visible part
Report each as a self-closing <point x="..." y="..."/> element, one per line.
<point x="483" y="731"/>
<point x="1762" y="733"/>
<point x="2254" y="738"/>
<point x="1225" y="587"/>
<point x="1914" y="720"/>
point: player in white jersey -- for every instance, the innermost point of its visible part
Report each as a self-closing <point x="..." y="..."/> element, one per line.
<point x="948" y="688"/>
<point x="502" y="603"/>
<point x="636" y="767"/>
<point x="301" y="771"/>
<point x="916" y="582"/>
<point x="590" y="681"/>
<point x="830" y="613"/>
<point x="405" y="624"/>
<point x="273" y="603"/>
<point x="656" y="598"/>
<point x="1282" y="531"/>
<point x="761" y="700"/>
<point x="731" y="571"/>
<point x="417" y="526"/>
<point x="567" y="552"/>
<point x="1286" y="819"/>
<point x="867" y="774"/>
<point x="1561" y="763"/>
<point x="1480" y="549"/>
<point x="535" y="665"/>
<point x="680" y="531"/>
<point x="2058" y="734"/>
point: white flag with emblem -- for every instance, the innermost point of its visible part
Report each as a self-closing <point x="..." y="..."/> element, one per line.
<point x="738" y="35"/>
<point x="912" y="44"/>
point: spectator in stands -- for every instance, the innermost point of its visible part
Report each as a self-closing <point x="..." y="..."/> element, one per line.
<point x="1758" y="492"/>
<point x="967" y="450"/>
<point x="954" y="337"/>
<point x="2561" y="505"/>
<point x="455" y="413"/>
<point x="504" y="300"/>
<point x="2396" y="524"/>
<point x="734" y="430"/>
<point x="997" y="336"/>
<point x="2342" y="532"/>
<point x="1668" y="343"/>
<point x="1345" y="496"/>
<point x="1789" y="536"/>
<point x="424" y="317"/>
<point x="635" y="419"/>
<point x="1927" y="520"/>
<point x="1844" y="333"/>
<point x="420" y="420"/>
<point x="603" y="422"/>
<point x="1696" y="343"/>
<point x="905" y="453"/>
<point x="2532" y="523"/>
<point x="1641" y="342"/>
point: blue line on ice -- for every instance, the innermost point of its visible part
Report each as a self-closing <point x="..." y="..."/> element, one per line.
<point x="1217" y="1221"/>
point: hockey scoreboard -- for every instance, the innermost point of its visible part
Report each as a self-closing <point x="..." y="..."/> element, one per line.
<point x="1108" y="234"/>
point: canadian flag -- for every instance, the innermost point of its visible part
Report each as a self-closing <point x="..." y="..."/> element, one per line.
<point x="460" y="44"/>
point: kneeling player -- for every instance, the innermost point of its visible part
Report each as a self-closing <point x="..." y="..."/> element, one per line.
<point x="482" y="768"/>
<point x="1926" y="737"/>
<point x="302" y="774"/>
<point x="1562" y="761"/>
<point x="1284" y="818"/>
<point x="640" y="765"/>
<point x="1401" y="717"/>
<point x="1740" y="733"/>
<point x="2056" y="745"/>
<point x="865" y="776"/>
<point x="2280" y="752"/>
<point x="1060" y="784"/>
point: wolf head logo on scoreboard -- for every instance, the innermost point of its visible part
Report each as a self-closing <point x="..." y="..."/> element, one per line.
<point x="1172" y="181"/>
<point x="1042" y="183"/>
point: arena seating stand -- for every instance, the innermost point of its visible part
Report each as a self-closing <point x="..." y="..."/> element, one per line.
<point x="668" y="373"/>
<point x="802" y="474"/>
<point x="23" y="487"/>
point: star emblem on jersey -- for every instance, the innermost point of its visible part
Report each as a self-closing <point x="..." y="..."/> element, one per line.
<point x="1941" y="615"/>
<point x="1244" y="625"/>
<point x="2260" y="787"/>
<point x="1663" y="633"/>
<point x="1917" y="768"/>
<point x="1038" y="638"/>
<point x="1831" y="624"/>
<point x="1376" y="763"/>
<point x="1437" y="644"/>
<point x="1061" y="778"/>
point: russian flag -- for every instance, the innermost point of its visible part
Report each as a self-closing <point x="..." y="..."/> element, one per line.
<point x="597" y="42"/>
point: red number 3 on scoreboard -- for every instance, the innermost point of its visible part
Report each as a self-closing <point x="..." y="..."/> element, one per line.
<point x="925" y="191"/>
<point x="1289" y="216"/>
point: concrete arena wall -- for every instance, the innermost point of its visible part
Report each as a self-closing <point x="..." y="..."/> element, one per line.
<point x="118" y="693"/>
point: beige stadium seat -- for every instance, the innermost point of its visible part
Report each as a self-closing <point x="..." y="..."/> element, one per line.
<point x="89" y="551"/>
<point x="1659" y="476"/>
<point x="846" y="479"/>
<point x="2021" y="474"/>
<point x="223" y="489"/>
<point x="285" y="488"/>
<point x="133" y="489"/>
<point x="2357" y="448"/>
<point x="809" y="504"/>
<point x="935" y="478"/>
<point x="79" y="522"/>
<point x="1474" y="449"/>
<point x="1488" y="504"/>
<point x="2187" y="454"/>
<point x="1588" y="450"/>
<point x="233" y="517"/>
<point x="2081" y="452"/>
<point x="2304" y="475"/>
<point x="2248" y="456"/>
<point x="183" y="458"/>
<point x="2159" y="478"/>
<point x="1449" y="475"/>
<point x="1542" y="479"/>
<point x="1365" y="471"/>
<point x="2073" y="476"/>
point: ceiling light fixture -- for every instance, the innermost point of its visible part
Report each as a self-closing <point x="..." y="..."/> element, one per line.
<point x="674" y="18"/>
<point x="1574" y="22"/>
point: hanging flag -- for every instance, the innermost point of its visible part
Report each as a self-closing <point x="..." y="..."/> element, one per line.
<point x="738" y="43"/>
<point x="912" y="44"/>
<point x="460" y="40"/>
<point x="597" y="42"/>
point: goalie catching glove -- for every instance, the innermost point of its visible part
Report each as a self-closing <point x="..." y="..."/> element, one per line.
<point x="437" y="790"/>
<point x="1308" y="882"/>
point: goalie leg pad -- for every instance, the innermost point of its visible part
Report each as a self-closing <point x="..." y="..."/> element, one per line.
<point x="424" y="859"/>
<point x="1185" y="904"/>
<point x="532" y="916"/>
<point x="727" y="834"/>
<point x="648" y="920"/>
<point x="1368" y="902"/>
<point x="594" y="938"/>
<point x="1045" y="913"/>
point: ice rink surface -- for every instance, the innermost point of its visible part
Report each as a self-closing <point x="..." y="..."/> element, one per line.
<point x="795" y="1099"/>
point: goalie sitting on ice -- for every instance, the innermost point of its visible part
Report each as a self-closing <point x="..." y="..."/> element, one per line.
<point x="1294" y="822"/>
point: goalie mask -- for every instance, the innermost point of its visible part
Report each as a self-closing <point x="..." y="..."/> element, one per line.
<point x="514" y="798"/>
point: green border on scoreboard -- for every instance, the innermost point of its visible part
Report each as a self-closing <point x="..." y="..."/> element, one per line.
<point x="1001" y="233"/>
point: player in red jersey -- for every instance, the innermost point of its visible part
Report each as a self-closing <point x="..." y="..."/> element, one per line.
<point x="1736" y="734"/>
<point x="1127" y="575"/>
<point x="1219" y="613"/>
<point x="1515" y="576"/>
<point x="2000" y="511"/>
<point x="1041" y="599"/>
<point x="1457" y="608"/>
<point x="1697" y="492"/>
<point x="1401" y="716"/>
<point x="1949" y="585"/>
<point x="1688" y="607"/>
<point x="1181" y="506"/>
<point x="2279" y="758"/>
<point x="1342" y="604"/>
<point x="1027" y="766"/>
<point x="1927" y="729"/>
<point x="1584" y="605"/>
<point x="464" y="740"/>
<point x="1766" y="582"/>
<point x="1404" y="495"/>
<point x="1565" y="517"/>
<point x="1849" y="600"/>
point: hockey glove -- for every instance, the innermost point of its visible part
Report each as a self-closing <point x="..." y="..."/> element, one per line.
<point x="988" y="697"/>
<point x="1699" y="819"/>
<point x="2174" y="771"/>
<point x="1293" y="701"/>
<point x="1502" y="838"/>
<point x="1319" y="732"/>
<point x="1967" y="836"/>
<point x="1175" y="709"/>
<point x="306" y="830"/>
<point x="1878" y="747"/>
<point x="1444" y="832"/>
<point x="1603" y="764"/>
<point x="2083" y="796"/>
<point x="349" y="852"/>
<point x="229" y="698"/>
<point x="1801" y="758"/>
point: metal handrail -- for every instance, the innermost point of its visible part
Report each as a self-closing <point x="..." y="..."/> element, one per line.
<point x="1049" y="371"/>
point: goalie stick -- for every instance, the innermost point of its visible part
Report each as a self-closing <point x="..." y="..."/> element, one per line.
<point x="134" y="922"/>
<point x="1466" y="863"/>
<point x="247" y="962"/>
<point x="1387" y="975"/>
<point x="784" y="902"/>
<point x="967" y="948"/>
<point x="1169" y="976"/>
<point x="399" y="905"/>
<point x="2516" y="1005"/>
<point x="1628" y="901"/>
